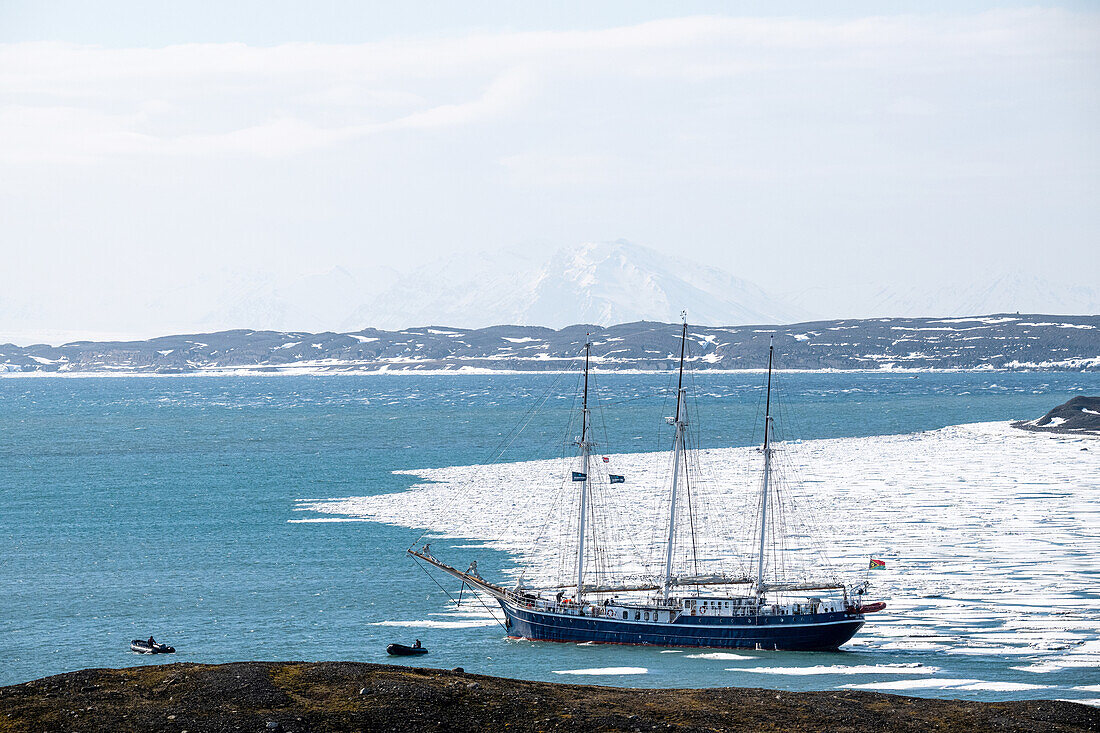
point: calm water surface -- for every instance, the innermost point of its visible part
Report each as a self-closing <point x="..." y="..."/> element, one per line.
<point x="138" y="506"/>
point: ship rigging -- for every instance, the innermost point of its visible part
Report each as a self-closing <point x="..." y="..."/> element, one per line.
<point x="676" y="609"/>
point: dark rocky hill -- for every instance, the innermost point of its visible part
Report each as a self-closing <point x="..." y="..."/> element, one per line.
<point x="1079" y="415"/>
<point x="1032" y="342"/>
<point x="349" y="696"/>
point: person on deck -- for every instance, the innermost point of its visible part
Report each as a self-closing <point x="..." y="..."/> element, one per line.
<point x="416" y="644"/>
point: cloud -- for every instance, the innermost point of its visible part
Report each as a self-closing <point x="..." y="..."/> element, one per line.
<point x="542" y="169"/>
<point x="291" y="136"/>
<point x="68" y="134"/>
<point x="503" y="93"/>
<point x="79" y="104"/>
<point x="83" y="134"/>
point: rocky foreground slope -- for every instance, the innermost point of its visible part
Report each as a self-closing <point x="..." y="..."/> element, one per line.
<point x="349" y="696"/>
<point x="1028" y="342"/>
<point x="1080" y="415"/>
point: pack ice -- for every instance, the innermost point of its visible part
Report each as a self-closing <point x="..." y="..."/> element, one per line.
<point x="990" y="533"/>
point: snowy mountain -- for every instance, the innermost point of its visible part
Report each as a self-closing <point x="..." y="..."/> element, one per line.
<point x="600" y="283"/>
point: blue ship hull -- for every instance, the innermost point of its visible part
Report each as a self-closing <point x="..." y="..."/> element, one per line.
<point x="808" y="632"/>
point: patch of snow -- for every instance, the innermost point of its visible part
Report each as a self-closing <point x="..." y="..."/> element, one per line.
<point x="1084" y="326"/>
<point x="910" y="328"/>
<point x="1082" y="363"/>
<point x="988" y="321"/>
<point x="604" y="671"/>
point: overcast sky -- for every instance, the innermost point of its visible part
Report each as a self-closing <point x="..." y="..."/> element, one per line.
<point x="156" y="147"/>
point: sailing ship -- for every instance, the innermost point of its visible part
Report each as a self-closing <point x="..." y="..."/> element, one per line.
<point x="674" y="609"/>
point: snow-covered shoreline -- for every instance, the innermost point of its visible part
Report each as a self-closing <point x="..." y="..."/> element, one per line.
<point x="474" y="371"/>
<point x="1017" y="342"/>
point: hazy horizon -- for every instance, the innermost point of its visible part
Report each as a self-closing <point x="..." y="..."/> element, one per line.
<point x="185" y="169"/>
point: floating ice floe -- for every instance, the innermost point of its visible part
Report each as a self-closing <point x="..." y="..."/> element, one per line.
<point x="1003" y="686"/>
<point x="604" y="671"/>
<point x="324" y="520"/>
<point x="429" y="624"/>
<point x="989" y="532"/>
<point x="949" y="684"/>
<point x="720" y="655"/>
<point x="924" y="683"/>
<point x="842" y="669"/>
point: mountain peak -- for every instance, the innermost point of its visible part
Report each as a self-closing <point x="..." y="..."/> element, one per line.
<point x="593" y="282"/>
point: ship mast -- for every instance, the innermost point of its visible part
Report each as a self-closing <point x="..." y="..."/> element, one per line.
<point x="767" y="475"/>
<point x="585" y="447"/>
<point x="680" y="421"/>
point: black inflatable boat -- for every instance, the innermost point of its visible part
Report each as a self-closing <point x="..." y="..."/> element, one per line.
<point x="401" y="650"/>
<point x="142" y="646"/>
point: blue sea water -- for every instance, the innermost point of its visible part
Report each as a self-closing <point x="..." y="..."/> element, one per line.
<point x="138" y="506"/>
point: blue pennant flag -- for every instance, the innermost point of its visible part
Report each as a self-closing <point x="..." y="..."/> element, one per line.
<point x="615" y="479"/>
<point x="578" y="476"/>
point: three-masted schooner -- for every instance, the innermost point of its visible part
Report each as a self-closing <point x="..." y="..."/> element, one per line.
<point x="678" y="610"/>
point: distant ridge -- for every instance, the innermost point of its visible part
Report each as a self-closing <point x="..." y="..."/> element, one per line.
<point x="1000" y="341"/>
